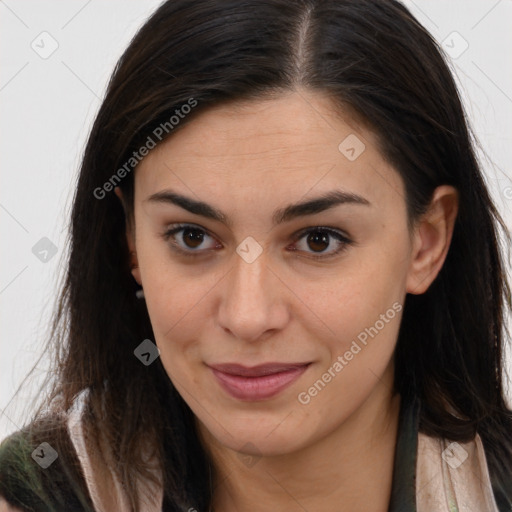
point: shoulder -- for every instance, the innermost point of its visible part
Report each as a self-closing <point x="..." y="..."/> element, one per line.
<point x="40" y="471"/>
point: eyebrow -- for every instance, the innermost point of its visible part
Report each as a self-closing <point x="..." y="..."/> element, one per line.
<point x="286" y="214"/>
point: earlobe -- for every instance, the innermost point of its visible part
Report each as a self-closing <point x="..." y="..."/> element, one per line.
<point x="134" y="264"/>
<point x="432" y="239"/>
<point x="119" y="193"/>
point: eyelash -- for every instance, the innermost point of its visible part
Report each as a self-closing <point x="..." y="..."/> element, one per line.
<point x="345" y="242"/>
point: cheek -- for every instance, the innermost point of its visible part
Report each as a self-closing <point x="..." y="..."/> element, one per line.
<point x="358" y="312"/>
<point x="357" y="294"/>
<point x="363" y="312"/>
<point x="175" y="296"/>
<point x="176" y="310"/>
<point x="176" y="307"/>
<point x="362" y="330"/>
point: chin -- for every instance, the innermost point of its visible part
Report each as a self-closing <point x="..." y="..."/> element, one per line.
<point x="262" y="437"/>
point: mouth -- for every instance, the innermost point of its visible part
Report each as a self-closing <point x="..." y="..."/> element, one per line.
<point x="258" y="382"/>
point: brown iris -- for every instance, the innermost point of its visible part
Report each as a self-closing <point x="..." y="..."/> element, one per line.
<point x="318" y="241"/>
<point x="193" y="237"/>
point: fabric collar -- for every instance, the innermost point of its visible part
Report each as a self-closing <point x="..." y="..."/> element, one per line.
<point x="432" y="474"/>
<point x="429" y="474"/>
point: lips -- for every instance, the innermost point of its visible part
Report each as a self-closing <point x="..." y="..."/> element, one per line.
<point x="257" y="382"/>
<point x="256" y="371"/>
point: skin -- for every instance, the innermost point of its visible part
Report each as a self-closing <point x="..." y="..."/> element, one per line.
<point x="249" y="159"/>
<point x="6" y="507"/>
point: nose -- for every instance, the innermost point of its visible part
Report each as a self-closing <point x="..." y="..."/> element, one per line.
<point x="253" y="300"/>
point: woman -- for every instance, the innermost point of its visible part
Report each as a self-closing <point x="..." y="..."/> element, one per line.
<point x="285" y="289"/>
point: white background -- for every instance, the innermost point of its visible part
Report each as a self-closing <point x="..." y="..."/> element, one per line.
<point x="47" y="107"/>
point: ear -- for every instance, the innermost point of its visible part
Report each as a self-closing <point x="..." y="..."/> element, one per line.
<point x="130" y="238"/>
<point x="431" y="239"/>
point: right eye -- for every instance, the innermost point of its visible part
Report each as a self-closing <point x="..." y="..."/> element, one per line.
<point x="187" y="239"/>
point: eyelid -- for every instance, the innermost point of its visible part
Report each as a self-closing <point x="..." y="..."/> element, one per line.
<point x="176" y="228"/>
<point x="341" y="237"/>
<point x="333" y="232"/>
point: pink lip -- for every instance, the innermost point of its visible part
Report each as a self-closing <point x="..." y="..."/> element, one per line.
<point x="258" y="382"/>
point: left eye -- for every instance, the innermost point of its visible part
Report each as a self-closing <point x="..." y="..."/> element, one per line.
<point x="320" y="239"/>
<point x="317" y="239"/>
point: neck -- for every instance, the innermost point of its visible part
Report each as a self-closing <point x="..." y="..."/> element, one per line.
<point x="350" y="469"/>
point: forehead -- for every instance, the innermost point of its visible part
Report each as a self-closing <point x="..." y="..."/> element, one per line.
<point x="281" y="146"/>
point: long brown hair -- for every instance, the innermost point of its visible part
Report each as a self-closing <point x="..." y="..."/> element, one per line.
<point x="369" y="54"/>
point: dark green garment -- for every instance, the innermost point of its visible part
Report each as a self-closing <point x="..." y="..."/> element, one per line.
<point x="25" y="484"/>
<point x="61" y="486"/>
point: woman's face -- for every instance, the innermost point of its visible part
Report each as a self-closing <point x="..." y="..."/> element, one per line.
<point x="267" y="280"/>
